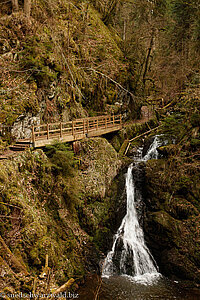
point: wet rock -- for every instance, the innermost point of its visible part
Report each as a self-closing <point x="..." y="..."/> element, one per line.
<point x="172" y="217"/>
<point x="22" y="127"/>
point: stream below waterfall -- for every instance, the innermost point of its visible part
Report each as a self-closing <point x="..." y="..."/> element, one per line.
<point x="129" y="271"/>
<point x="125" y="288"/>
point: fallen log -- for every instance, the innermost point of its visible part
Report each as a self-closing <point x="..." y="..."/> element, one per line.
<point x="10" y="258"/>
<point x="138" y="136"/>
<point x="3" y="264"/>
<point x="65" y="286"/>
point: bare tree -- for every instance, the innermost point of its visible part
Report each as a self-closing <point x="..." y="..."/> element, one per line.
<point x="15" y="5"/>
<point x="27" y="8"/>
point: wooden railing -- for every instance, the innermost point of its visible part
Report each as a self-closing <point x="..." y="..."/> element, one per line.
<point x="76" y="128"/>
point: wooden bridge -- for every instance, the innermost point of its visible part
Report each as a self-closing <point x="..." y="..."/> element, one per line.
<point x="78" y="129"/>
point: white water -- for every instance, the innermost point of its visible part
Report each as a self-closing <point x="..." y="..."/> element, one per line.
<point x="134" y="258"/>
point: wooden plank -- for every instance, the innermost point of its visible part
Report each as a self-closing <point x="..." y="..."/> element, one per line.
<point x="54" y="130"/>
<point x="78" y="127"/>
<point x="61" y="129"/>
<point x="72" y="127"/>
<point x="103" y="131"/>
<point x="47" y="131"/>
<point x="66" y="129"/>
<point x="83" y="125"/>
<point x="33" y="135"/>
<point x="39" y="126"/>
<point x="41" y="132"/>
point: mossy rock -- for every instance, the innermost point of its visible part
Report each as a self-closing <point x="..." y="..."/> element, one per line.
<point x="181" y="209"/>
<point x="179" y="265"/>
<point x="166" y="151"/>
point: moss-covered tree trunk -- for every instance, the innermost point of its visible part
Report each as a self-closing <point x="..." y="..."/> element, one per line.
<point x="27" y="8"/>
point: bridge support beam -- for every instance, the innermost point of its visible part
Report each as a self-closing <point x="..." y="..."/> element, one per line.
<point x="76" y="147"/>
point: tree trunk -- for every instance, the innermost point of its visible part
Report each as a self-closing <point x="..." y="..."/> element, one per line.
<point x="147" y="59"/>
<point x="27" y="8"/>
<point x="15" y="5"/>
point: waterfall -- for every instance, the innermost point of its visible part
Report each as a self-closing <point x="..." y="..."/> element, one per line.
<point x="129" y="254"/>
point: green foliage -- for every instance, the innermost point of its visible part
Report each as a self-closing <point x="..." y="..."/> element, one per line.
<point x="101" y="237"/>
<point x="62" y="159"/>
<point x="37" y="57"/>
<point x="195" y="119"/>
<point x="195" y="143"/>
<point x="174" y="126"/>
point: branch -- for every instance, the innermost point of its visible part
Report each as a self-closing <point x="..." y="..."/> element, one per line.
<point x="118" y="84"/>
<point x="68" y="67"/>
<point x="146" y="132"/>
<point x="64" y="287"/>
<point x="10" y="217"/>
<point x="98" y="289"/>
<point x="9" y="90"/>
<point x="11" y="258"/>
<point x="11" y="205"/>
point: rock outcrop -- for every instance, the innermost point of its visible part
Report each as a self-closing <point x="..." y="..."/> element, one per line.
<point x="173" y="217"/>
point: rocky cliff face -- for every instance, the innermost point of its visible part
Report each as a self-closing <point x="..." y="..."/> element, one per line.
<point x="172" y="218"/>
<point x="55" y="206"/>
<point x="58" y="65"/>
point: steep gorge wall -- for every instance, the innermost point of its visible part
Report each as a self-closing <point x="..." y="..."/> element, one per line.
<point x="61" y="64"/>
<point x="172" y="220"/>
<point x="55" y="206"/>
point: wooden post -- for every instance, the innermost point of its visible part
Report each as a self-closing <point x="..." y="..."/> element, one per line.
<point x="72" y="127"/>
<point x="83" y="126"/>
<point x="33" y="136"/>
<point x="61" y="129"/>
<point x="47" y="131"/>
<point x="46" y="261"/>
<point x="120" y="116"/>
<point x="34" y="285"/>
<point x="15" y="5"/>
<point x="113" y="120"/>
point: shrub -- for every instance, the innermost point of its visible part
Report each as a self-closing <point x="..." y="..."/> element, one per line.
<point x="62" y="159"/>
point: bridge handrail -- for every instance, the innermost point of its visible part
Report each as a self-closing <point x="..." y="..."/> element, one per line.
<point x="77" y="126"/>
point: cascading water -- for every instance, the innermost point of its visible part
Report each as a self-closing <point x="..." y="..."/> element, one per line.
<point x="130" y="261"/>
<point x="129" y="254"/>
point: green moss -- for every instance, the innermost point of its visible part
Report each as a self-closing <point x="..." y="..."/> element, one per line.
<point x="183" y="185"/>
<point x="195" y="119"/>
<point x="195" y="143"/>
<point x="41" y="230"/>
<point x="172" y="193"/>
<point x="56" y="202"/>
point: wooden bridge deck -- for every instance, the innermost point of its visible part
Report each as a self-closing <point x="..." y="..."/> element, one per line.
<point x="78" y="129"/>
